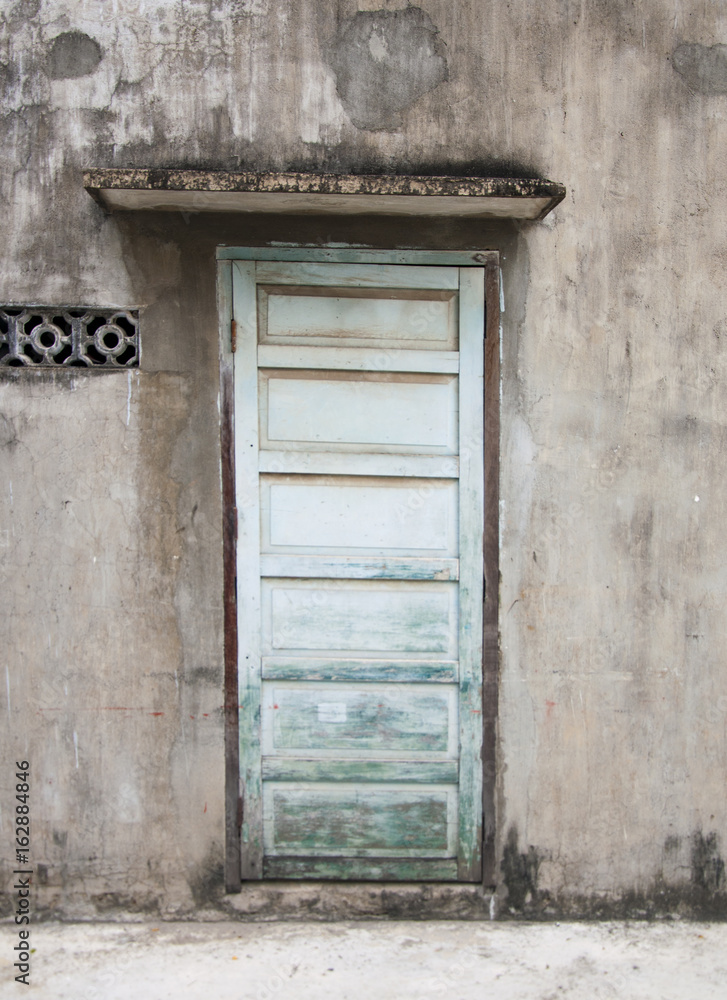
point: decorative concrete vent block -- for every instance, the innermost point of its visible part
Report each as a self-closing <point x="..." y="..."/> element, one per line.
<point x="60" y="337"/>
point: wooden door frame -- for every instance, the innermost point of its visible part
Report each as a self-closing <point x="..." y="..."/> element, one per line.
<point x="489" y="259"/>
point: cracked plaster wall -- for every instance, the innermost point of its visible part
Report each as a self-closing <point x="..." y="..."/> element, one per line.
<point x="613" y="712"/>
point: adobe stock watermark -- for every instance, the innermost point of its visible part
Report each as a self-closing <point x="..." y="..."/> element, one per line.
<point x="23" y="872"/>
<point x="717" y="710"/>
<point x="564" y="521"/>
<point x="457" y="973"/>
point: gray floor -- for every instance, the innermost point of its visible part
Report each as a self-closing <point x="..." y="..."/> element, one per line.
<point x="382" y="960"/>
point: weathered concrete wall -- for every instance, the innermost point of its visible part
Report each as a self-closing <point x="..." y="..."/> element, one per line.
<point x="111" y="685"/>
<point x="613" y="706"/>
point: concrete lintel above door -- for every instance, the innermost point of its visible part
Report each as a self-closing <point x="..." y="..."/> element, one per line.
<point x="322" y="194"/>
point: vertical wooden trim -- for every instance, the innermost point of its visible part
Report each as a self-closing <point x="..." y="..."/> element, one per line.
<point x="471" y="508"/>
<point x="227" y="418"/>
<point x="247" y="493"/>
<point x="492" y="565"/>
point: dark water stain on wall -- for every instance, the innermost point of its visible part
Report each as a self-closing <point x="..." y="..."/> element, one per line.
<point x="520" y="873"/>
<point x="60" y="838"/>
<point x="73" y="54"/>
<point x="703" y="67"/>
<point x="384" y="61"/>
<point x="21" y="12"/>
<point x="9" y="437"/>
<point x="8" y="77"/>
<point x="125" y="902"/>
<point x="708" y="871"/>
<point x="206" y="880"/>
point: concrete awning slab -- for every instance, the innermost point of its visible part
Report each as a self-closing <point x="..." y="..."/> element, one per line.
<point x="322" y="194"/>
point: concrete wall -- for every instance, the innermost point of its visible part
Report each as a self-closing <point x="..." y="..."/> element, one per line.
<point x="613" y="704"/>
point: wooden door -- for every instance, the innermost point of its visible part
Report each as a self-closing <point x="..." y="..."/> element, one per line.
<point x="359" y="488"/>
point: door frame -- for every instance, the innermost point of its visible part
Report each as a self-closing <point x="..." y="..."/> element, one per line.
<point x="489" y="259"/>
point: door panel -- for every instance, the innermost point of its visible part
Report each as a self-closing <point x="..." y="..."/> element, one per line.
<point x="358" y="318"/>
<point x="392" y="411"/>
<point x="360" y="497"/>
<point x="369" y="516"/>
<point x="399" y="821"/>
<point x="394" y="719"/>
<point x="407" y="618"/>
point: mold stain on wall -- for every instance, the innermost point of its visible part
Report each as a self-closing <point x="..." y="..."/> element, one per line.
<point x="71" y="55"/>
<point x="384" y="61"/>
<point x="703" y="67"/>
<point x="708" y="871"/>
<point x="520" y="874"/>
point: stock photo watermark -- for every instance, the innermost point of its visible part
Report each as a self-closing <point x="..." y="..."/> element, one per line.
<point x="22" y="872"/>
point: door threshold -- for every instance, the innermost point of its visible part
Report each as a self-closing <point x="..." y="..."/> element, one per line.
<point x="286" y="900"/>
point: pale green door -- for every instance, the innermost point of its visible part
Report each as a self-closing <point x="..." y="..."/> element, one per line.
<point x="359" y="484"/>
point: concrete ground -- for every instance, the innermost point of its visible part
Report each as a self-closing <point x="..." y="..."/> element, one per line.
<point x="371" y="960"/>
